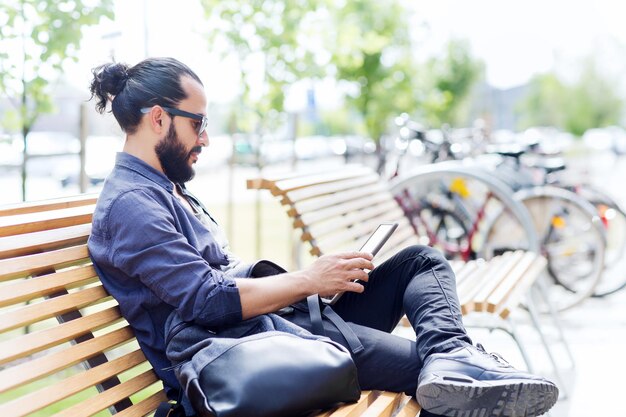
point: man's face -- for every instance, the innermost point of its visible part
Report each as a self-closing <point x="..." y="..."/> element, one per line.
<point x="176" y="159"/>
<point x="181" y="146"/>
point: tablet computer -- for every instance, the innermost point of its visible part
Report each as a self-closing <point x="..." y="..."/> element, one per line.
<point x="372" y="245"/>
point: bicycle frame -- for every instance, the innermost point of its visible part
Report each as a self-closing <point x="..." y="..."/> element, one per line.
<point x="413" y="209"/>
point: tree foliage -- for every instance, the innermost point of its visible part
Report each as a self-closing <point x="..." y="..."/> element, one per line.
<point x="591" y="101"/>
<point x="370" y="43"/>
<point x="448" y="82"/>
<point x="37" y="37"/>
<point x="273" y="41"/>
<point x="365" y="45"/>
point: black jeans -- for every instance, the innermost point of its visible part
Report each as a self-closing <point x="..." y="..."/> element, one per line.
<point x="418" y="282"/>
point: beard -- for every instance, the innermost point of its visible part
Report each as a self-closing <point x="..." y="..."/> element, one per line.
<point x="174" y="157"/>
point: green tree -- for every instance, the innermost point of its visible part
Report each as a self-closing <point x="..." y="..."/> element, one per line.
<point x="364" y="45"/>
<point x="370" y="43"/>
<point x="447" y="83"/>
<point x="37" y="37"/>
<point x="274" y="43"/>
<point x="591" y="101"/>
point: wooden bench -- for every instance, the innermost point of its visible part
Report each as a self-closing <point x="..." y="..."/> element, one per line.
<point x="65" y="349"/>
<point x="338" y="209"/>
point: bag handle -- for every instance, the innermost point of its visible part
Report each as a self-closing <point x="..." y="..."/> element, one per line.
<point x="167" y="409"/>
<point x="317" y="325"/>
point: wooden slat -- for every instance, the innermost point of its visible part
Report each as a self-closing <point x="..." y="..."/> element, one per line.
<point x="46" y="240"/>
<point x="303" y="194"/>
<point x="331" y="212"/>
<point x="33" y="264"/>
<point x="30" y="343"/>
<point x="46" y="220"/>
<point x="498" y="297"/>
<point x="329" y="200"/>
<point x="291" y="184"/>
<point x="358" y="408"/>
<point x="389" y="209"/>
<point x="410" y="409"/>
<point x="384" y="405"/>
<point x="467" y="270"/>
<point x="42" y="398"/>
<point x="523" y="286"/>
<point x="46" y="365"/>
<point x="354" y="235"/>
<point x="468" y="288"/>
<point x="144" y="407"/>
<point x="31" y="288"/>
<point x="111" y="396"/>
<point x="495" y="279"/>
<point x="47" y="205"/>
<point x="50" y="308"/>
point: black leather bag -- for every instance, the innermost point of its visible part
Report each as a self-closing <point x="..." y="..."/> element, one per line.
<point x="270" y="374"/>
<point x="262" y="367"/>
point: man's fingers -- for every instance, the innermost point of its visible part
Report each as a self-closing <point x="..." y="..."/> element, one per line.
<point x="359" y="274"/>
<point x="358" y="263"/>
<point x="355" y="287"/>
<point x="351" y="255"/>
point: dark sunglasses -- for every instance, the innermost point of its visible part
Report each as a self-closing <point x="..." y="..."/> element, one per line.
<point x="200" y="128"/>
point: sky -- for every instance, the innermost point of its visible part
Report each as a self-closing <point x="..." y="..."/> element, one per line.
<point x="515" y="39"/>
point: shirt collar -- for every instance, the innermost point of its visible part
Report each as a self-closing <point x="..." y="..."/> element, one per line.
<point x="135" y="164"/>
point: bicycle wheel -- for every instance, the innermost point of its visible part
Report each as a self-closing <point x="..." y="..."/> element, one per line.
<point x="573" y="240"/>
<point x="614" y="219"/>
<point x="446" y="229"/>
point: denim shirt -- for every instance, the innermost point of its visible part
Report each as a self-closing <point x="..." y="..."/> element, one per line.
<point x="154" y="256"/>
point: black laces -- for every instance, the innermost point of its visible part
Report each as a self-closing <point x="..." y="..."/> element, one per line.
<point x="495" y="356"/>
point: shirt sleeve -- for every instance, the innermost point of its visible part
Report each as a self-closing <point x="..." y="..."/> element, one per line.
<point x="147" y="246"/>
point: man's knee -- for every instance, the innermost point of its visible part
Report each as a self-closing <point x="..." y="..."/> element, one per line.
<point x="423" y="251"/>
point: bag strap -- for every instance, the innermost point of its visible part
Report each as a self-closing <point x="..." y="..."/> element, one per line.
<point x="175" y="409"/>
<point x="317" y="326"/>
<point x="351" y="338"/>
<point x="167" y="409"/>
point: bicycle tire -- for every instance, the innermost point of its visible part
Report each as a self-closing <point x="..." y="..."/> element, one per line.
<point x="449" y="228"/>
<point x="580" y="238"/>
<point x="614" y="219"/>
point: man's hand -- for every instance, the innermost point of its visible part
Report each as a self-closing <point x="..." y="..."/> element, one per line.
<point x="331" y="274"/>
<point x="327" y="276"/>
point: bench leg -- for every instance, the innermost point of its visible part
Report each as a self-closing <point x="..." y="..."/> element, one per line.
<point x="515" y="335"/>
<point x="534" y="316"/>
<point x="540" y="288"/>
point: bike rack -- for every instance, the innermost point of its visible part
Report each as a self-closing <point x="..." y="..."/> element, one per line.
<point x="502" y="191"/>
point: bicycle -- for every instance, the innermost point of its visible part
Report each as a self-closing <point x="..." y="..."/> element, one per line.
<point x="568" y="216"/>
<point x="547" y="170"/>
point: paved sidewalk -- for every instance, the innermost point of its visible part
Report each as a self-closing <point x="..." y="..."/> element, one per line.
<point x="596" y="334"/>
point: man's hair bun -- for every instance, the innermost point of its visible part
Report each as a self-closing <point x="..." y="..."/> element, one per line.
<point x="108" y="81"/>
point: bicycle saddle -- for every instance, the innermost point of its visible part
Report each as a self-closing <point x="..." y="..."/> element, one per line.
<point x="550" y="165"/>
<point x="512" y="151"/>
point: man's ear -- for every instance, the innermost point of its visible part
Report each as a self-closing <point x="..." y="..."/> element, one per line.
<point x="158" y="119"/>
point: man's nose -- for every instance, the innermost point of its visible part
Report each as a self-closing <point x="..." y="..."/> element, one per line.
<point x="203" y="139"/>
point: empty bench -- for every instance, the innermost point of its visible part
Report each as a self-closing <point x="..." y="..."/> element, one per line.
<point x="65" y="349"/>
<point x="338" y="209"/>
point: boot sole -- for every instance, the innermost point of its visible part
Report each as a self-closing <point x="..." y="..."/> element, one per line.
<point x="509" y="398"/>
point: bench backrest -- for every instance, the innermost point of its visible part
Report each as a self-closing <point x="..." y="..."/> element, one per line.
<point x="338" y="210"/>
<point x="64" y="347"/>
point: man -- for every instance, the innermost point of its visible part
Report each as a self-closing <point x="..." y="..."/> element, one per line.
<point x="157" y="250"/>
